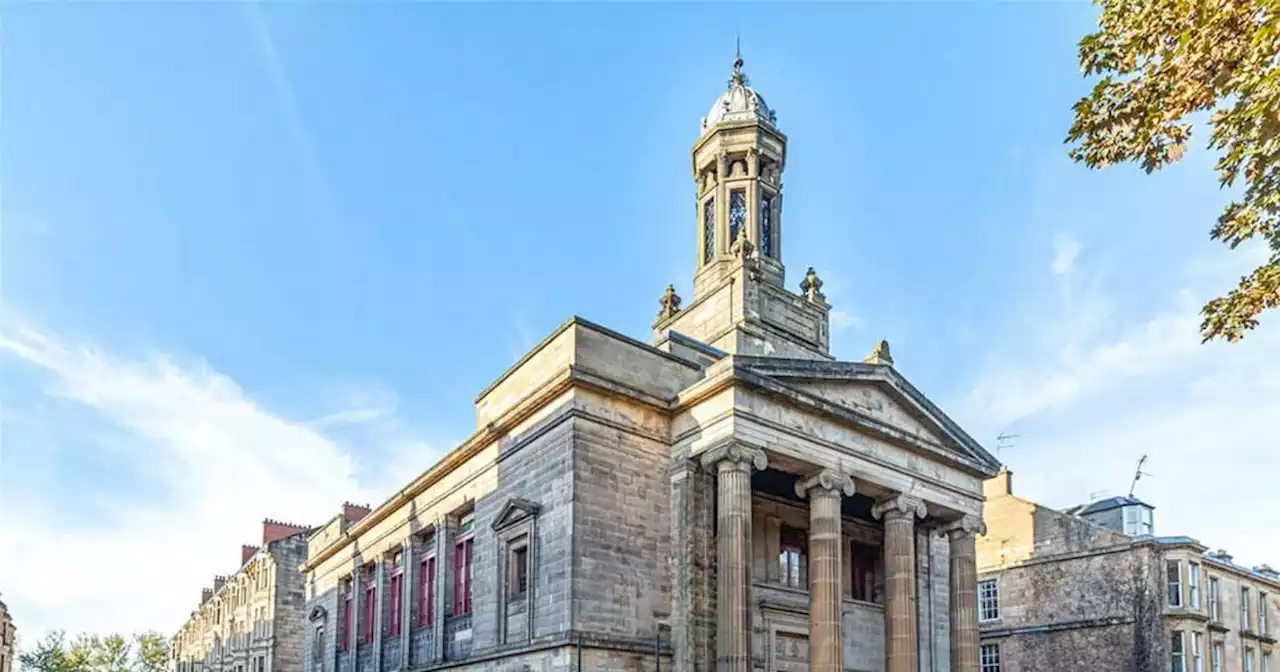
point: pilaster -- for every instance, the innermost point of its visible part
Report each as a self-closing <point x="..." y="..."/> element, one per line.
<point x="685" y="566"/>
<point x="408" y="597"/>
<point x="825" y="491"/>
<point x="357" y="609"/>
<point x="379" y="609"/>
<point x="899" y="513"/>
<point x="446" y="529"/>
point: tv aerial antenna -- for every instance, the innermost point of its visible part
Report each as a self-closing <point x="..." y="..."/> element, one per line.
<point x="1137" y="475"/>
<point x="1004" y="441"/>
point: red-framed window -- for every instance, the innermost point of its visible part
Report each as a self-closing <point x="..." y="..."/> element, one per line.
<point x="462" y="578"/>
<point x="427" y="591"/>
<point x="345" y="618"/>
<point x="396" y="601"/>
<point x="462" y="567"/>
<point x="864" y="559"/>
<point x="370" y="605"/>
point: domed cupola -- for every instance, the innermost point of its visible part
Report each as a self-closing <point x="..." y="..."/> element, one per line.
<point x="739" y="103"/>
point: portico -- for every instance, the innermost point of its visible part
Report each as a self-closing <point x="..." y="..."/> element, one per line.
<point x="833" y="499"/>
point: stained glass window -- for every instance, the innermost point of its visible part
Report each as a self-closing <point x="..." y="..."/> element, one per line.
<point x="708" y="230"/>
<point x="766" y="224"/>
<point x="737" y="213"/>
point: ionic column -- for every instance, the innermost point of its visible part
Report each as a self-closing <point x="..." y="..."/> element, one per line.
<point x="899" y="513"/>
<point x="964" y="592"/>
<point x="826" y="648"/>
<point x="733" y="465"/>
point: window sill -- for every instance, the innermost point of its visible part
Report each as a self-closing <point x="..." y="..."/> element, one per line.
<point x="1218" y="626"/>
<point x="1193" y="614"/>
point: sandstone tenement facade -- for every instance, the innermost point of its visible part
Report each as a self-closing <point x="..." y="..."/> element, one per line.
<point x="8" y="635"/>
<point x="252" y="620"/>
<point x="1092" y="588"/>
<point x="730" y="497"/>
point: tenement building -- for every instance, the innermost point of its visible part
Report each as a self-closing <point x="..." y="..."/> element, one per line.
<point x="8" y="635"/>
<point x="730" y="497"/>
<point x="1093" y="588"/>
<point x="252" y="620"/>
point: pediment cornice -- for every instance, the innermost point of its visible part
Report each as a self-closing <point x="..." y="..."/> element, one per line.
<point x="780" y="375"/>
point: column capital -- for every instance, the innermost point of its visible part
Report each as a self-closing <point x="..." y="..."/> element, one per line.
<point x="899" y="505"/>
<point x="734" y="456"/>
<point x="967" y="525"/>
<point x="830" y="480"/>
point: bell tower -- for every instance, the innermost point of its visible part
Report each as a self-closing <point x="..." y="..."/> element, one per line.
<point x="740" y="301"/>
<point x="737" y="171"/>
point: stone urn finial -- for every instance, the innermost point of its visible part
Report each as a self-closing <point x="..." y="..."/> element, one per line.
<point x="811" y="287"/>
<point x="669" y="304"/>
<point x="880" y="355"/>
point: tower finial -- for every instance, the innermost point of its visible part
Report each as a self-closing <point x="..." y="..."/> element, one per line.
<point x="739" y="77"/>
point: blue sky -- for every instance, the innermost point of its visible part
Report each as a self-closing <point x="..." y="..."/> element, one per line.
<point x="259" y="258"/>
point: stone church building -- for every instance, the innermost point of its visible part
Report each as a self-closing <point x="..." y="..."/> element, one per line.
<point x="726" y="497"/>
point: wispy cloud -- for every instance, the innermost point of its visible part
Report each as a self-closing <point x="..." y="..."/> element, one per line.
<point x="1111" y="379"/>
<point x="274" y="64"/>
<point x="1065" y="250"/>
<point x="218" y="462"/>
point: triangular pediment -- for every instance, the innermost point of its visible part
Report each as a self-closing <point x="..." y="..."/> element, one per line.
<point x="515" y="511"/>
<point x="869" y="398"/>
<point x="878" y="395"/>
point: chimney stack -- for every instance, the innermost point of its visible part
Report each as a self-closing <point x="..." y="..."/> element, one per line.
<point x="205" y="595"/>
<point x="246" y="552"/>
<point x="274" y="530"/>
<point x="354" y="512"/>
<point x="218" y="583"/>
<point x="999" y="486"/>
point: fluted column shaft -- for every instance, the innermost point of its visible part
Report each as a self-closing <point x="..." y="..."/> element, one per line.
<point x="733" y="465"/>
<point x="899" y="515"/>
<point x="826" y="648"/>
<point x="964" y="594"/>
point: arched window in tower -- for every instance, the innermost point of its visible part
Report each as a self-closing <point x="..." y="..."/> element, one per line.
<point x="737" y="213"/>
<point x="708" y="230"/>
<point x="766" y="224"/>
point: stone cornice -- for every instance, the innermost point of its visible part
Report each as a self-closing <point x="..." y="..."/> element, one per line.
<point x="829" y="480"/>
<point x="578" y="321"/>
<point x="557" y="385"/>
<point x="899" y="505"/>
<point x="759" y="125"/>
